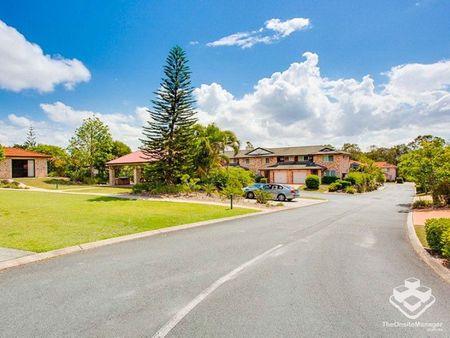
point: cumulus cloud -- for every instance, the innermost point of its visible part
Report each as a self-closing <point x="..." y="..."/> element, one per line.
<point x="23" y="65"/>
<point x="300" y="106"/>
<point x="20" y="121"/>
<point x="273" y="30"/>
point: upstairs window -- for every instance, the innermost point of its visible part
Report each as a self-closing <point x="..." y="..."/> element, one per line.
<point x="328" y="158"/>
<point x="267" y="160"/>
<point x="280" y="158"/>
<point x="247" y="161"/>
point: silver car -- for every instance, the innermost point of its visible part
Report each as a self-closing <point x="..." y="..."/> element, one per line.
<point x="280" y="192"/>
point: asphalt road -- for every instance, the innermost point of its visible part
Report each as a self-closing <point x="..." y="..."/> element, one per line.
<point x="324" y="270"/>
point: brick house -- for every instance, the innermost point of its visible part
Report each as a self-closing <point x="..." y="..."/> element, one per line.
<point x="292" y="164"/>
<point x="389" y="170"/>
<point x="23" y="163"/>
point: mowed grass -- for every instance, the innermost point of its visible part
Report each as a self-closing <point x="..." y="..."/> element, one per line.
<point x="421" y="234"/>
<point x="60" y="183"/>
<point x="40" y="221"/>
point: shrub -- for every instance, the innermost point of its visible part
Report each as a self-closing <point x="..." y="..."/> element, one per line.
<point x="189" y="184"/>
<point x="422" y="204"/>
<point x="262" y="196"/>
<point x="263" y="180"/>
<point x="441" y="193"/>
<point x="399" y="180"/>
<point x="209" y="189"/>
<point x="344" y="183"/>
<point x="434" y="229"/>
<point x="445" y="241"/>
<point x="312" y="182"/>
<point x="350" y="190"/>
<point x="329" y="179"/>
<point x="334" y="187"/>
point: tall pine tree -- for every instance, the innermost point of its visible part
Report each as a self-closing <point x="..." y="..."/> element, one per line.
<point x="31" y="138"/>
<point x="168" y="133"/>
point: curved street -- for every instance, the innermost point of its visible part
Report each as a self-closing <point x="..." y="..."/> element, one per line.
<point x="325" y="270"/>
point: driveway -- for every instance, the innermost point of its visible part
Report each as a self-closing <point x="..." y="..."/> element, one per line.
<point x="324" y="270"/>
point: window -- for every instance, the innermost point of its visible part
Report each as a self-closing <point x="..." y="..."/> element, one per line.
<point x="280" y="158"/>
<point x="305" y="158"/>
<point x="330" y="172"/>
<point x="247" y="160"/>
<point x="236" y="161"/>
<point x="267" y="160"/>
<point x="328" y="158"/>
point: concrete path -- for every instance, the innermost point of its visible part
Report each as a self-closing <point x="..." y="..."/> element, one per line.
<point x="327" y="270"/>
<point x="7" y="254"/>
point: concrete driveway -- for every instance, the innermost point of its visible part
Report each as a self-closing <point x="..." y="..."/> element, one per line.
<point x="324" y="270"/>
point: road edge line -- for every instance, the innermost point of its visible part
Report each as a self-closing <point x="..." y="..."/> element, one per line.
<point x="441" y="271"/>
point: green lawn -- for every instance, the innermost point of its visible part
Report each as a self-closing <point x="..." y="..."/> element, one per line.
<point x="52" y="183"/>
<point x="40" y="221"/>
<point x="420" y="231"/>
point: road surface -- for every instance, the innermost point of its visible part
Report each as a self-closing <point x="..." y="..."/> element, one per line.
<point x="324" y="270"/>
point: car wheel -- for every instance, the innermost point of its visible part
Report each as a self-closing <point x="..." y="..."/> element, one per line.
<point x="250" y="195"/>
<point x="281" y="197"/>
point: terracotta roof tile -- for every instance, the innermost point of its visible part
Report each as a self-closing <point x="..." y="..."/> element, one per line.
<point x="133" y="158"/>
<point x="18" y="152"/>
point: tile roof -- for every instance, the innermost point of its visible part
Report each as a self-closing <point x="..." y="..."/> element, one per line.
<point x="19" y="152"/>
<point x="283" y="151"/>
<point x="384" y="165"/>
<point x="134" y="158"/>
<point x="294" y="165"/>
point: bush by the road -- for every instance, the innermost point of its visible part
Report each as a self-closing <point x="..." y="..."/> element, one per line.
<point x="334" y="187"/>
<point x="422" y="204"/>
<point x="312" y="182"/>
<point x="262" y="196"/>
<point x="329" y="179"/>
<point x="435" y="229"/>
<point x="350" y="190"/>
<point x="344" y="183"/>
<point x="446" y="243"/>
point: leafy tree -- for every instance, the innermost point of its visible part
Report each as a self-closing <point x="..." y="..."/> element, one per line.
<point x="354" y="150"/>
<point x="2" y="153"/>
<point x="168" y="133"/>
<point x="428" y="165"/>
<point x="91" y="146"/>
<point x="119" y="149"/>
<point x="210" y="142"/>
<point x="390" y="155"/>
<point x="31" y="138"/>
<point x="59" y="163"/>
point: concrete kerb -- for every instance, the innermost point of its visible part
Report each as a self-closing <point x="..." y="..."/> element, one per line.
<point x="442" y="271"/>
<point x="88" y="246"/>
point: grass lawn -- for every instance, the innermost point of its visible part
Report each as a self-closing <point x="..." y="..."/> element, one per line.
<point x="64" y="184"/>
<point x="40" y="221"/>
<point x="420" y="231"/>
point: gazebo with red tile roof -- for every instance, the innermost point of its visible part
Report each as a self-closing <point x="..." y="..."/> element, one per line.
<point x="137" y="160"/>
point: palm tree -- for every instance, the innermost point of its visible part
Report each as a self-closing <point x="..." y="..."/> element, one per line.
<point x="211" y="144"/>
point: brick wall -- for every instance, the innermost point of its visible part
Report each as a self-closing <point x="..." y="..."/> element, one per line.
<point x="341" y="163"/>
<point x="40" y="167"/>
<point x="257" y="163"/>
<point x="5" y="169"/>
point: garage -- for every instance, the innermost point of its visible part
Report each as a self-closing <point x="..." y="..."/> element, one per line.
<point x="280" y="177"/>
<point x="299" y="177"/>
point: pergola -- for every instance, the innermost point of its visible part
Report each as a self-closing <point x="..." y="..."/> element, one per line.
<point x="136" y="160"/>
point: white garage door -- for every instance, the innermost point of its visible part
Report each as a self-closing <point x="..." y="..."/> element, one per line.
<point x="280" y="177"/>
<point x="299" y="177"/>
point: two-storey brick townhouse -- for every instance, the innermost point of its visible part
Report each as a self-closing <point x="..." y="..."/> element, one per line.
<point x="292" y="164"/>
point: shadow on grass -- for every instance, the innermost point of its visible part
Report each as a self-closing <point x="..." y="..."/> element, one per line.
<point x="61" y="181"/>
<point x="109" y="199"/>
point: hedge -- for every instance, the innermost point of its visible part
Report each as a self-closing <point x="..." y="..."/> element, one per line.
<point x="329" y="179"/>
<point x="435" y="229"/>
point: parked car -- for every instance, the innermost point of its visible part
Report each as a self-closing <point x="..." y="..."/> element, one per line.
<point x="280" y="192"/>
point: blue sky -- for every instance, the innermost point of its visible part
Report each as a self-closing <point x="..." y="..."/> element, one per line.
<point x="122" y="45"/>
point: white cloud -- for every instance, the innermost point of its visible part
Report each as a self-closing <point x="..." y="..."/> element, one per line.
<point x="273" y="30"/>
<point x="23" y="65"/>
<point x="19" y="121"/>
<point x="286" y="28"/>
<point x="300" y="106"/>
